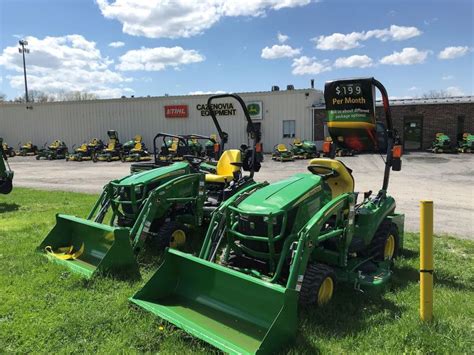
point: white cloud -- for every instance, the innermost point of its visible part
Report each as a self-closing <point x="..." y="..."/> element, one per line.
<point x="447" y="77"/>
<point x="354" y="61"/>
<point x="282" y="38"/>
<point x="116" y="44"/>
<point x="159" y="58"/>
<point x="305" y="65"/>
<point x="453" y="52"/>
<point x="67" y="63"/>
<point x="454" y="91"/>
<point x="199" y="92"/>
<point x="279" y="51"/>
<point x="183" y="18"/>
<point x="413" y="88"/>
<point x="407" y="56"/>
<point x="352" y="40"/>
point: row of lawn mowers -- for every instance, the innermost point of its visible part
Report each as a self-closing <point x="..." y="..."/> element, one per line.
<point x="442" y="144"/>
<point x="305" y="149"/>
<point x="240" y="256"/>
<point x="173" y="148"/>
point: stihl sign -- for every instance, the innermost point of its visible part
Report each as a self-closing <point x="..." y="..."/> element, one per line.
<point x="176" y="111"/>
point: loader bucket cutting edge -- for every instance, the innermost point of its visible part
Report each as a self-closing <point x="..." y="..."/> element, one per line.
<point x="105" y="249"/>
<point x="235" y="312"/>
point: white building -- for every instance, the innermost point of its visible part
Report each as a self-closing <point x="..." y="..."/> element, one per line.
<point x="280" y="115"/>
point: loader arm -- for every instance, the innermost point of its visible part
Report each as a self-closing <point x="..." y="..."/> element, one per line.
<point x="161" y="200"/>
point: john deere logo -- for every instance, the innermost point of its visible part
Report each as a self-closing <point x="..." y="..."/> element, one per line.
<point x="254" y="109"/>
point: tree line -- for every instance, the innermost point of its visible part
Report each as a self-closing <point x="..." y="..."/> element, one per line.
<point x="39" y="96"/>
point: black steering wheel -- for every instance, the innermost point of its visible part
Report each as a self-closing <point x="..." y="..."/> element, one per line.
<point x="323" y="171"/>
<point x="194" y="160"/>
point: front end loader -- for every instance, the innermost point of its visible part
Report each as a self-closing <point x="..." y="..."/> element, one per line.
<point x="162" y="205"/>
<point x="6" y="173"/>
<point x="278" y="246"/>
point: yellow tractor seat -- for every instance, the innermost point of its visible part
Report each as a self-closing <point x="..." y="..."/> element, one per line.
<point x="54" y="145"/>
<point x="225" y="169"/>
<point x="138" y="138"/>
<point x="82" y="148"/>
<point x="111" y="146"/>
<point x="439" y="134"/>
<point x="282" y="148"/>
<point x="297" y="142"/>
<point x="343" y="182"/>
<point x="138" y="147"/>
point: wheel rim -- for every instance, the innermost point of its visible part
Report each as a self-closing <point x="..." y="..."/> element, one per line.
<point x="389" y="248"/>
<point x="178" y="238"/>
<point x="325" y="291"/>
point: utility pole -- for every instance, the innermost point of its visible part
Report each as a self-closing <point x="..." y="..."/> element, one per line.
<point x="24" y="50"/>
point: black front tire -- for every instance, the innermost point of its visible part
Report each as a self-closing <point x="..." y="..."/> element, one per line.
<point x="379" y="247"/>
<point x="317" y="276"/>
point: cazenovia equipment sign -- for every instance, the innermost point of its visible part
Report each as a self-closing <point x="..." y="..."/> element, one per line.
<point x="176" y="111"/>
<point x="350" y="107"/>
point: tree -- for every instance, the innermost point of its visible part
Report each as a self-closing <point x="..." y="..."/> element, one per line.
<point x="436" y="94"/>
<point x="3" y="97"/>
<point x="76" y="96"/>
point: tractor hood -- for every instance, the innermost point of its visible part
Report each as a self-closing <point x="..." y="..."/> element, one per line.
<point x="281" y="195"/>
<point x="174" y="170"/>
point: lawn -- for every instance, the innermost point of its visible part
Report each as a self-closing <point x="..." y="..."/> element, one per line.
<point x="45" y="308"/>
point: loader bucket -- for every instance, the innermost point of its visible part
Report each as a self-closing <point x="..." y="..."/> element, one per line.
<point x="94" y="248"/>
<point x="236" y="313"/>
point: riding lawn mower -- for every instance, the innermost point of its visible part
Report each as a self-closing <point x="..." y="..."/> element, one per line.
<point x="304" y="149"/>
<point x="55" y="151"/>
<point x="6" y="173"/>
<point x="466" y="145"/>
<point x="86" y="151"/>
<point x="278" y="246"/>
<point x="281" y="153"/>
<point x="136" y="153"/>
<point x="161" y="205"/>
<point x="9" y="151"/>
<point x="113" y="150"/>
<point x="442" y="144"/>
<point x="27" y="149"/>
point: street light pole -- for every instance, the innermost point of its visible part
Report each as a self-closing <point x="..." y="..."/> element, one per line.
<point x="24" y="50"/>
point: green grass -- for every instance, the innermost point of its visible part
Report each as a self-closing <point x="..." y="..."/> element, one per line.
<point x="44" y="308"/>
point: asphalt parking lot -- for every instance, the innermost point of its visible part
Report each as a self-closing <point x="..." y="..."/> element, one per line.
<point x="445" y="179"/>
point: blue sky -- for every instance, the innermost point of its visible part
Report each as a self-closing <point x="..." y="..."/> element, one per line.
<point x="218" y="45"/>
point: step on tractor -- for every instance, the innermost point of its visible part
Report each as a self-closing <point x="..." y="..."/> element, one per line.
<point x="86" y="151"/>
<point x="162" y="206"/>
<point x="442" y="144"/>
<point x="6" y="173"/>
<point x="304" y="149"/>
<point x="8" y="151"/>
<point x="137" y="153"/>
<point x="282" y="153"/>
<point x="113" y="150"/>
<point x="289" y="243"/>
<point x="27" y="149"/>
<point x="55" y="151"/>
<point x="466" y="144"/>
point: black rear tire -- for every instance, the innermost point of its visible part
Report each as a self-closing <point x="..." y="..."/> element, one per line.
<point x="317" y="276"/>
<point x="377" y="248"/>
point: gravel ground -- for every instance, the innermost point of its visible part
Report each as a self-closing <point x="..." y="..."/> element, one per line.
<point x="445" y="179"/>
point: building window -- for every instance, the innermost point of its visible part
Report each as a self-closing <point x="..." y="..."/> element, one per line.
<point x="289" y="129"/>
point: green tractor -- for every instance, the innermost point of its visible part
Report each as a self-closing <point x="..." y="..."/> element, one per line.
<point x="113" y="150"/>
<point x="282" y="153"/>
<point x="137" y="153"/>
<point x="304" y="149"/>
<point x="442" y="144"/>
<point x="27" y="149"/>
<point x="55" y="151"/>
<point x="278" y="245"/>
<point x="6" y="173"/>
<point x="86" y="151"/>
<point x="466" y="145"/>
<point x="164" y="206"/>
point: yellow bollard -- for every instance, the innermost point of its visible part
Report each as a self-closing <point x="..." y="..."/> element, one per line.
<point x="426" y="260"/>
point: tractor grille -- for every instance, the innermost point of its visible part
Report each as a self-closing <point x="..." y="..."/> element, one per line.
<point x="255" y="225"/>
